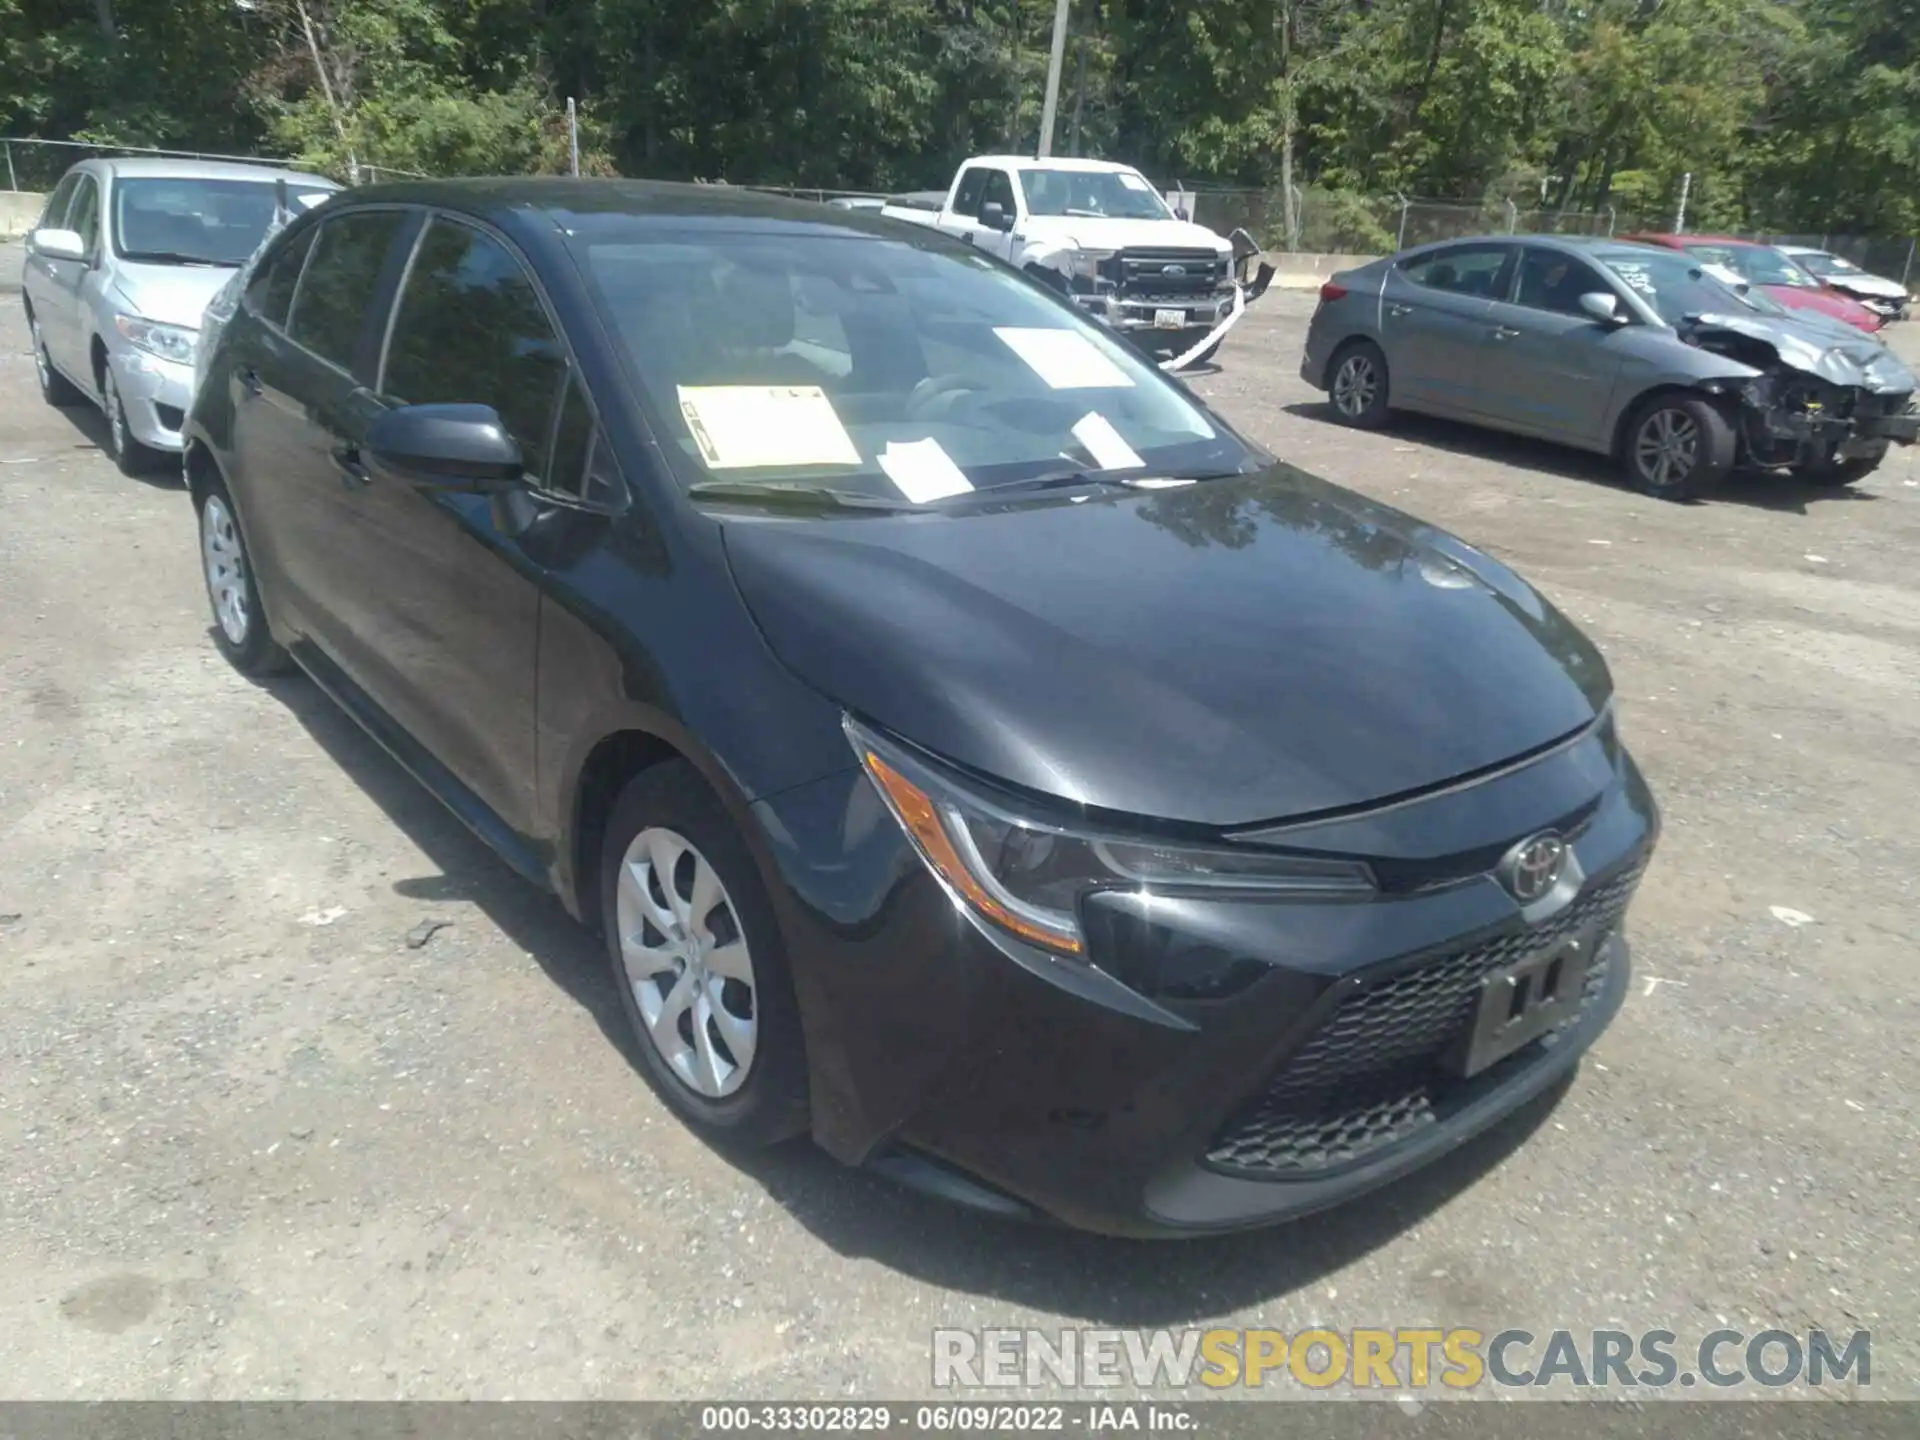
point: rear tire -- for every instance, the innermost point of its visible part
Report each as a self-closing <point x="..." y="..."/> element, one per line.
<point x="699" y="961"/>
<point x="1678" y="447"/>
<point x="1357" y="384"/>
<point x="55" y="388"/>
<point x="239" y="622"/>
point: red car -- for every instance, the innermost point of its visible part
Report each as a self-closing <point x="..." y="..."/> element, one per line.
<point x="1781" y="277"/>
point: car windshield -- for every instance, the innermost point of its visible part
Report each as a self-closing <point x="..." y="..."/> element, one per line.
<point x="197" y="221"/>
<point x="1756" y="264"/>
<point x="1121" y="195"/>
<point x="1821" y="263"/>
<point x="887" y="369"/>
<point x="1677" y="286"/>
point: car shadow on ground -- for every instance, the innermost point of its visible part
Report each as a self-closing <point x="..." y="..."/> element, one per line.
<point x="162" y="471"/>
<point x="859" y="1214"/>
<point x="1762" y="489"/>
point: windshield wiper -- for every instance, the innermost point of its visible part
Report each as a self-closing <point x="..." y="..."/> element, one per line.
<point x="798" y="497"/>
<point x="1113" y="479"/>
<point x="176" y="257"/>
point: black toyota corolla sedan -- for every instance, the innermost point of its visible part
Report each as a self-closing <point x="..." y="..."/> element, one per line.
<point x="974" y="753"/>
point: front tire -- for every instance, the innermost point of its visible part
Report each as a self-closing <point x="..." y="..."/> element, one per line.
<point x="239" y="622"/>
<point x="55" y="388"/>
<point x="699" y="961"/>
<point x="1831" y="473"/>
<point x="1678" y="447"/>
<point x="1357" y="385"/>
<point x="129" y="456"/>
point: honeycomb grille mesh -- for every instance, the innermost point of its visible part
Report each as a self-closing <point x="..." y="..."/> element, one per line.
<point x="1370" y="1076"/>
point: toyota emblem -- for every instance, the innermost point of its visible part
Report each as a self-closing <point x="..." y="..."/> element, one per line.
<point x="1173" y="269"/>
<point x="1533" y="867"/>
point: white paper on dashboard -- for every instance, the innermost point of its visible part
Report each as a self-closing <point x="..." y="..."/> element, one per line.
<point x="738" y="427"/>
<point x="1109" y="450"/>
<point x="923" y="470"/>
<point x="1065" y="359"/>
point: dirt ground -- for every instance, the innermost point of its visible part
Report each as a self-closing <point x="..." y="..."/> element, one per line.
<point x="264" y="1135"/>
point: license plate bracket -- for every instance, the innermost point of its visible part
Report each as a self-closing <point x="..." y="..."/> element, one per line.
<point x="1520" y="1002"/>
<point x="1169" y="319"/>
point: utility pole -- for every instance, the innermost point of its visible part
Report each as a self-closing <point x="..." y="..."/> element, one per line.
<point x="573" y="138"/>
<point x="1680" y="216"/>
<point x="1053" y="77"/>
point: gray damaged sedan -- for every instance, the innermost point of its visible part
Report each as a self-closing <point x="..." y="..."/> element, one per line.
<point x="1678" y="370"/>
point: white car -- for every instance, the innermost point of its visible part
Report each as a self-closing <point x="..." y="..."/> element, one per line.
<point x="1102" y="233"/>
<point x="118" y="273"/>
<point x="1882" y="296"/>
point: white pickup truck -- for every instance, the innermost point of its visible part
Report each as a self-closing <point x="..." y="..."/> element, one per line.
<point x="1101" y="233"/>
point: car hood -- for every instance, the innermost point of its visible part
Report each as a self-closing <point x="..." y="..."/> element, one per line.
<point x="1093" y="233"/>
<point x="1875" y="285"/>
<point x="171" y="294"/>
<point x="1835" y="353"/>
<point x="1230" y="652"/>
<point x="1827" y="302"/>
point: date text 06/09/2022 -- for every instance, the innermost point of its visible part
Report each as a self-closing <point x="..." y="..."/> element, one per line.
<point x="1097" y="1419"/>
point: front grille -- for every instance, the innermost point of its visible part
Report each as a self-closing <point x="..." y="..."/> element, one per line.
<point x="1371" y="1076"/>
<point x="1140" y="272"/>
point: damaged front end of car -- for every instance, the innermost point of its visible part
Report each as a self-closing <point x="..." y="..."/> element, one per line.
<point x="1810" y="406"/>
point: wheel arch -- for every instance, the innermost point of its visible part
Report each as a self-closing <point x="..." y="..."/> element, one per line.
<point x="1717" y="393"/>
<point x="1345" y="347"/>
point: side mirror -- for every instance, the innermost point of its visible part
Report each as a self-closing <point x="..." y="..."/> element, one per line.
<point x="1604" y="308"/>
<point x="994" y="216"/>
<point x="451" y="447"/>
<point x="58" y="244"/>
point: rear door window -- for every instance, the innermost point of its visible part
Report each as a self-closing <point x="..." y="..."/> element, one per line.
<point x="470" y="329"/>
<point x="330" y="308"/>
<point x="966" y="199"/>
<point x="1479" y="271"/>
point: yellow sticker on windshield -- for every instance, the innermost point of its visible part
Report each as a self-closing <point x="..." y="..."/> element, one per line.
<point x="743" y="427"/>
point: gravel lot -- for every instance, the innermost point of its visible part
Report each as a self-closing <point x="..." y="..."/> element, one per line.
<point x="264" y="1135"/>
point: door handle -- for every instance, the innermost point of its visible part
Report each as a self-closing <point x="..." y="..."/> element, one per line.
<point x="1398" y="310"/>
<point x="1504" y="332"/>
<point x="353" y="474"/>
<point x="250" y="382"/>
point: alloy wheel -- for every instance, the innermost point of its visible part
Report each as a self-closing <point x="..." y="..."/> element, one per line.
<point x="1354" y="386"/>
<point x="116" y="415"/>
<point x="1667" y="448"/>
<point x="687" y="962"/>
<point x="226" y="565"/>
<point x="43" y="367"/>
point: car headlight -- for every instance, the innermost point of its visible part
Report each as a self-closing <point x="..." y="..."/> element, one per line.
<point x="1087" y="263"/>
<point x="1026" y="876"/>
<point x="169" y="342"/>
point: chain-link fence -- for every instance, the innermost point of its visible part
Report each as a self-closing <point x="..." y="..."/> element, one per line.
<point x="1342" y="222"/>
<point x="37" y="165"/>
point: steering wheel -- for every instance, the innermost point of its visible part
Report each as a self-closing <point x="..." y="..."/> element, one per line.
<point x="938" y="396"/>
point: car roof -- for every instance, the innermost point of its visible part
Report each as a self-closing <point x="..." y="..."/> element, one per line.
<point x="544" y="203"/>
<point x="161" y="167"/>
<point x="1053" y="162"/>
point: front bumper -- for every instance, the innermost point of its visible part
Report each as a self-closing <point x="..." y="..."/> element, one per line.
<point x="1006" y="1082"/>
<point x="155" y="393"/>
<point x="1173" y="315"/>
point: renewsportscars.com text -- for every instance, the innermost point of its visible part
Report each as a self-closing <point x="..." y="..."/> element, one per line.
<point x="1398" y="1359"/>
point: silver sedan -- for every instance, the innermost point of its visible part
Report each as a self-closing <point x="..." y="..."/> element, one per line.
<point x="118" y="272"/>
<point x="1677" y="368"/>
